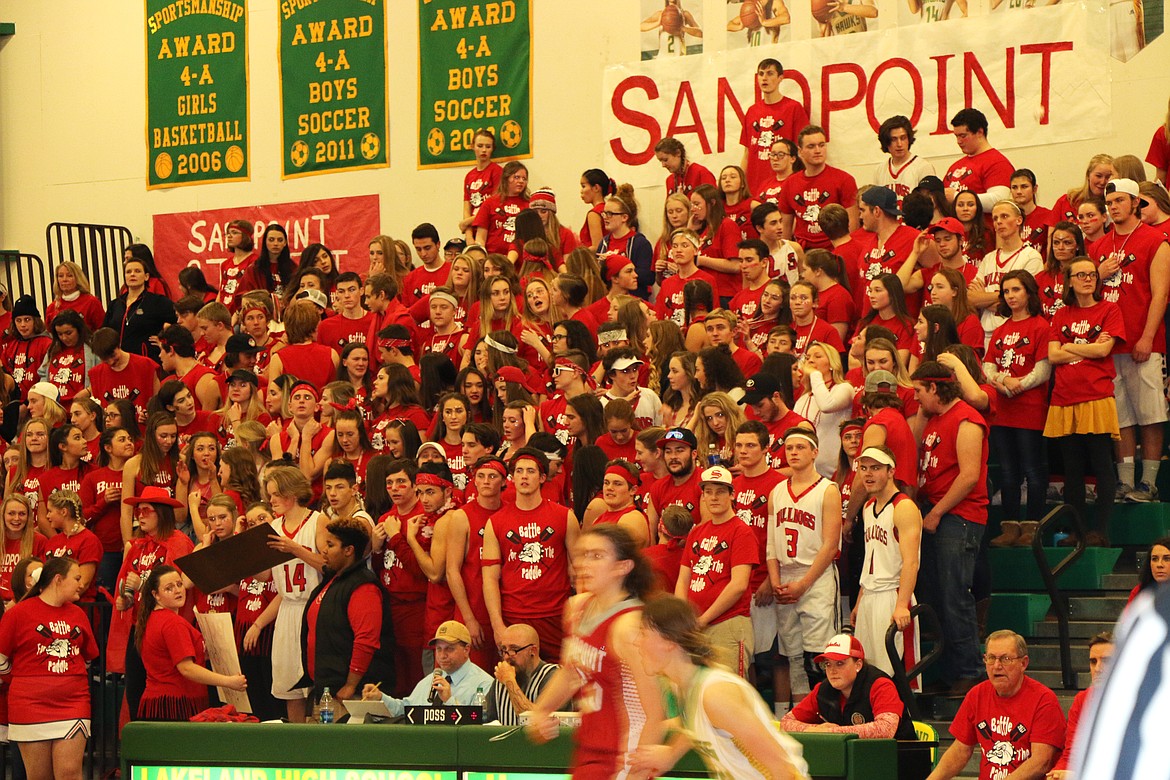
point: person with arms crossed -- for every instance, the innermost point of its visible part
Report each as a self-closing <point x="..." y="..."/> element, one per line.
<point x="982" y="169"/>
<point x="1015" y="720"/>
<point x="855" y="698"/>
<point x="806" y="192"/>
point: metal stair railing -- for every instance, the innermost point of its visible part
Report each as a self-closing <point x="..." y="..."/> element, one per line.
<point x="1051" y="576"/>
<point x="98" y="249"/>
<point x="26" y="274"/>
<point x="903" y="676"/>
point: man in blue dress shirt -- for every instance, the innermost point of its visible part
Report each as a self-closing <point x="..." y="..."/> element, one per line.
<point x="458" y="681"/>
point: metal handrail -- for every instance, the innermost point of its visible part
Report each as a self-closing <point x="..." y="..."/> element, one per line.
<point x="26" y="274"/>
<point x="96" y="248"/>
<point x="1050" y="574"/>
<point x="902" y="677"/>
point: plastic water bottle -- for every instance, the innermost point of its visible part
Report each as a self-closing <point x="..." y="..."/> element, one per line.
<point x="480" y="697"/>
<point x="712" y="456"/>
<point x="326" y="707"/>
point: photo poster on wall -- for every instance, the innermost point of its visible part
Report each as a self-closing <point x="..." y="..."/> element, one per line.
<point x="333" y="87"/>
<point x="196" y="93"/>
<point x="671" y="28"/>
<point x="475" y="72"/>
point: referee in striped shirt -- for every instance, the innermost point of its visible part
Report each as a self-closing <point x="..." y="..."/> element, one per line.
<point x="520" y="676"/>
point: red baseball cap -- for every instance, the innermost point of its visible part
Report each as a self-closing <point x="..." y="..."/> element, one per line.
<point x="949" y="224"/>
<point x="841" y="647"/>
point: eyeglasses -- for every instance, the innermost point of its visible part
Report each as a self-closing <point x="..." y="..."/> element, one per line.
<point x="778" y="155"/>
<point x="507" y="651"/>
<point x="559" y="337"/>
<point x="613" y="213"/>
<point x="1084" y="276"/>
<point x="1006" y="660"/>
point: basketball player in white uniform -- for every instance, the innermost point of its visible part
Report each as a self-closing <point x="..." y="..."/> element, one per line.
<point x="1127" y="34"/>
<point x="294" y="581"/>
<point x="893" y="531"/>
<point x="937" y="10"/>
<point x="804" y="538"/>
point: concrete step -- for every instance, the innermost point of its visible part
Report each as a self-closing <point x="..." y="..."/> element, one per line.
<point x="1119" y="581"/>
<point x="1096" y="607"/>
<point x="1077" y="629"/>
<point x="1046" y="656"/>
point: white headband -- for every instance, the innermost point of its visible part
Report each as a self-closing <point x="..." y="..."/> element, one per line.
<point x="497" y="345"/>
<point x="803" y="435"/>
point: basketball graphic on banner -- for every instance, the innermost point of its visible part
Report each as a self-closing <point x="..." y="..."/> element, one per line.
<point x="163" y="165"/>
<point x="233" y="158"/>
<point x="299" y="153"/>
<point x="510" y="133"/>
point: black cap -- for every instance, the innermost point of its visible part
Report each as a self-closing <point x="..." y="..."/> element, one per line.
<point x="244" y="375"/>
<point x="759" y="387"/>
<point x="931" y="184"/>
<point x="456" y="243"/>
<point x="242" y="343"/>
<point x="678" y="435"/>
<point x="25" y="306"/>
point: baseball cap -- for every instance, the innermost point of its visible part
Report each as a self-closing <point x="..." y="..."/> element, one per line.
<point x="429" y="445"/>
<point x="244" y="375"/>
<point x="950" y="225"/>
<point x="1128" y="186"/>
<point x="451" y="631"/>
<point x="879" y="455"/>
<point x="621" y="364"/>
<point x="314" y="296"/>
<point x="242" y="343"/>
<point x="875" y="379"/>
<point x="759" y="387"/>
<point x="46" y="390"/>
<point x="882" y="198"/>
<point x="930" y="184"/>
<point x="457" y="244"/>
<point x="678" y="435"/>
<point x="841" y="647"/>
<point x="716" y="475"/>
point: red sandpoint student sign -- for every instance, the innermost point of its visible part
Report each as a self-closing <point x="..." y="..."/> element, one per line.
<point x="344" y="225"/>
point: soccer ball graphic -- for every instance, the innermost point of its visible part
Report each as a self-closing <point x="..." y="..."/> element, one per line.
<point x="370" y="145"/>
<point x="435" y="142"/>
<point x="510" y="133"/>
<point x="299" y="154"/>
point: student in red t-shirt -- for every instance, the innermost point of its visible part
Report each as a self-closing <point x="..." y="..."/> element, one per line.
<point x="526" y="548"/>
<point x="1082" y="412"/>
<point x="716" y="568"/>
<point x="121" y="375"/>
<point x="982" y="170"/>
<point x="807" y="192"/>
<point x="1017" y="366"/>
<point x="952" y="492"/>
<point x="481" y="181"/>
<point x="684" y="175"/>
<point x="1100" y="651"/>
<point x="772" y="118"/>
<point x="495" y="221"/>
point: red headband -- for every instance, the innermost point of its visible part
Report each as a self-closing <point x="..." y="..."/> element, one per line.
<point x="618" y="471"/>
<point x="434" y="480"/>
<point x="853" y="427"/>
<point x="350" y="404"/>
<point x="528" y="257"/>
<point x="303" y="385"/>
<point x="534" y="459"/>
<point x="392" y="343"/>
<point x="586" y="377"/>
<point x="495" y="466"/>
<point x="254" y="308"/>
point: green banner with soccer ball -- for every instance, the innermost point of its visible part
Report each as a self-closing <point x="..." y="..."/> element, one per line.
<point x="196" y="92"/>
<point x="332" y="86"/>
<point x="475" y="72"/>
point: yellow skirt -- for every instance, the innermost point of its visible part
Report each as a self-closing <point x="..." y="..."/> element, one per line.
<point x="1098" y="416"/>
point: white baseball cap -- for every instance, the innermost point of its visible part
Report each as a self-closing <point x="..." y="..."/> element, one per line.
<point x="716" y="475"/>
<point x="879" y="455"/>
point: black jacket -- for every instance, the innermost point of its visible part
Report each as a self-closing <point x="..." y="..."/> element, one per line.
<point x="858" y="707"/>
<point x="334" y="635"/>
<point x="147" y="317"/>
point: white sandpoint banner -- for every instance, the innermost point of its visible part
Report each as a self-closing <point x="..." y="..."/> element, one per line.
<point x="1040" y="75"/>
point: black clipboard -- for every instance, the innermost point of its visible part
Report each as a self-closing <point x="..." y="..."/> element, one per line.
<point x="235" y="558"/>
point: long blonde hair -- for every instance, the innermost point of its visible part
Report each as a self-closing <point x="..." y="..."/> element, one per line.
<point x="731" y="410"/>
<point x="82" y="280"/>
<point x="582" y="261"/>
<point x="28" y="534"/>
<point x="1077" y="194"/>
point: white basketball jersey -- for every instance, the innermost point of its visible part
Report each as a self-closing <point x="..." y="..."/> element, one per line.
<point x="295" y="579"/>
<point x="883" y="556"/>
<point x="723" y="755"/>
<point x="795" y="526"/>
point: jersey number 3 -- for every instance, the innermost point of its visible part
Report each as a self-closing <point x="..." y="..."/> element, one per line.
<point x="792" y="535"/>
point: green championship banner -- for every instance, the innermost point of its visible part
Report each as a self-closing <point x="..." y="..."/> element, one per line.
<point x="475" y="71"/>
<point x="196" y="92"/>
<point x="332" y="86"/>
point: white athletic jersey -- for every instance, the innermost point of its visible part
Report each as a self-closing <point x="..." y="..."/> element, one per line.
<point x="795" y="525"/>
<point x="841" y="23"/>
<point x="934" y="10"/>
<point x="295" y="579"/>
<point x="883" y="557"/>
<point x="724" y="756"/>
<point x="671" y="45"/>
<point x="647" y="410"/>
<point x="785" y="263"/>
<point x="992" y="268"/>
<point x="902" y="180"/>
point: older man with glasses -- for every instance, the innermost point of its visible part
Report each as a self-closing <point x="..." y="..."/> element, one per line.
<point x="520" y="676"/>
<point x="1016" y="721"/>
